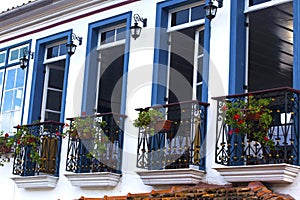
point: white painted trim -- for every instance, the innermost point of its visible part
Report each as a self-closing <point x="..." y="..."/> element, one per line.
<point x="95" y="179"/>
<point x="270" y="173"/>
<point x="188" y="176"/>
<point x="111" y="44"/>
<point x="186" y="25"/>
<point x="35" y="182"/>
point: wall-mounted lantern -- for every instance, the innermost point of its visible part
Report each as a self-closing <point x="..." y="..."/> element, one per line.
<point x="136" y="29"/>
<point x="211" y="9"/>
<point x="71" y="47"/>
<point x="24" y="61"/>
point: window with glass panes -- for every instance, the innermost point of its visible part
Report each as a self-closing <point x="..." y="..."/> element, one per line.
<point x="12" y="83"/>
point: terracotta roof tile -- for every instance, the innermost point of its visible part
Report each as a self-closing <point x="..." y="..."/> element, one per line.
<point x="255" y="190"/>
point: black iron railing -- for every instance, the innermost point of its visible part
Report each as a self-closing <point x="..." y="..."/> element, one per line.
<point x="37" y="148"/>
<point x="238" y="149"/>
<point x="95" y="143"/>
<point x="181" y="146"/>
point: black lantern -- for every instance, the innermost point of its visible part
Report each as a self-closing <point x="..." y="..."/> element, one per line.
<point x="211" y="9"/>
<point x="71" y="47"/>
<point x="24" y="61"/>
<point x="136" y="30"/>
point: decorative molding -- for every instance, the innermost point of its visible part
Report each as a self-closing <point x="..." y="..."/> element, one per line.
<point x="171" y="176"/>
<point x="35" y="182"/>
<point x="269" y="173"/>
<point x="95" y="179"/>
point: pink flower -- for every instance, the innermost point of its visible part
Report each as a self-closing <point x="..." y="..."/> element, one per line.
<point x="224" y="108"/>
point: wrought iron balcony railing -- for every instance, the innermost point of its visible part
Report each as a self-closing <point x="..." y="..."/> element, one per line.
<point x="37" y="149"/>
<point x="177" y="147"/>
<point x="239" y="149"/>
<point x="95" y="143"/>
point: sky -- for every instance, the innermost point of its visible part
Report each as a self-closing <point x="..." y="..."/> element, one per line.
<point x="5" y="4"/>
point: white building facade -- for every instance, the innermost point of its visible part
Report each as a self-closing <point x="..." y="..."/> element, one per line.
<point x="182" y="64"/>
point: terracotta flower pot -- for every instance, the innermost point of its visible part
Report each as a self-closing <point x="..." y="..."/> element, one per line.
<point x="163" y="125"/>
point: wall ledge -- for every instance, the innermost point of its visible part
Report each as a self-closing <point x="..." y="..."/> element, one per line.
<point x="268" y="173"/>
<point x="171" y="176"/>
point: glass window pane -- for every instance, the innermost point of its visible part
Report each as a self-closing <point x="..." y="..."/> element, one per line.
<point x="201" y="43"/>
<point x="6" y="122"/>
<point x="2" y="57"/>
<point x="198" y="12"/>
<point x="52" y="116"/>
<point x="14" y="54"/>
<point x="180" y="17"/>
<point x="22" y="50"/>
<point x="255" y="2"/>
<point x="20" y="77"/>
<point x="10" y="79"/>
<point x="107" y="37"/>
<point x="200" y="68"/>
<point x="52" y="52"/>
<point x="1" y="79"/>
<point x="62" y="49"/>
<point x="56" y="79"/>
<point x="199" y="92"/>
<point x="54" y="100"/>
<point x="7" y="102"/>
<point x="121" y="33"/>
<point x="18" y="99"/>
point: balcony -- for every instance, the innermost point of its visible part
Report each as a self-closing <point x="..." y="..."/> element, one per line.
<point x="37" y="155"/>
<point x="174" y="155"/>
<point x="249" y="160"/>
<point x="94" y="154"/>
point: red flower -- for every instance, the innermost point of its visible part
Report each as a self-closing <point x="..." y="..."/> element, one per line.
<point x="83" y="113"/>
<point x="57" y="133"/>
<point x="18" y="127"/>
<point x="236" y="116"/>
<point x="18" y="141"/>
<point x="224" y="108"/>
<point x="236" y="130"/>
<point x="66" y="125"/>
<point x="6" y="135"/>
<point x="266" y="138"/>
<point x="240" y="121"/>
<point x="231" y="132"/>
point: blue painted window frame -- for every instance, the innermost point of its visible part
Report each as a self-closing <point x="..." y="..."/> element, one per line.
<point x="37" y="85"/>
<point x="237" y="64"/>
<point x="7" y="65"/>
<point x="160" y="62"/>
<point x="88" y="101"/>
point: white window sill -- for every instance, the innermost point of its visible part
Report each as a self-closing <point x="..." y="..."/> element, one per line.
<point x="35" y="182"/>
<point x="269" y="173"/>
<point x="94" y="179"/>
<point x="171" y="176"/>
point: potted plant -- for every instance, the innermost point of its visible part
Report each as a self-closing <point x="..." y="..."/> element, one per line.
<point x="6" y="144"/>
<point x="22" y="139"/>
<point x="152" y="120"/>
<point x="251" y="117"/>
